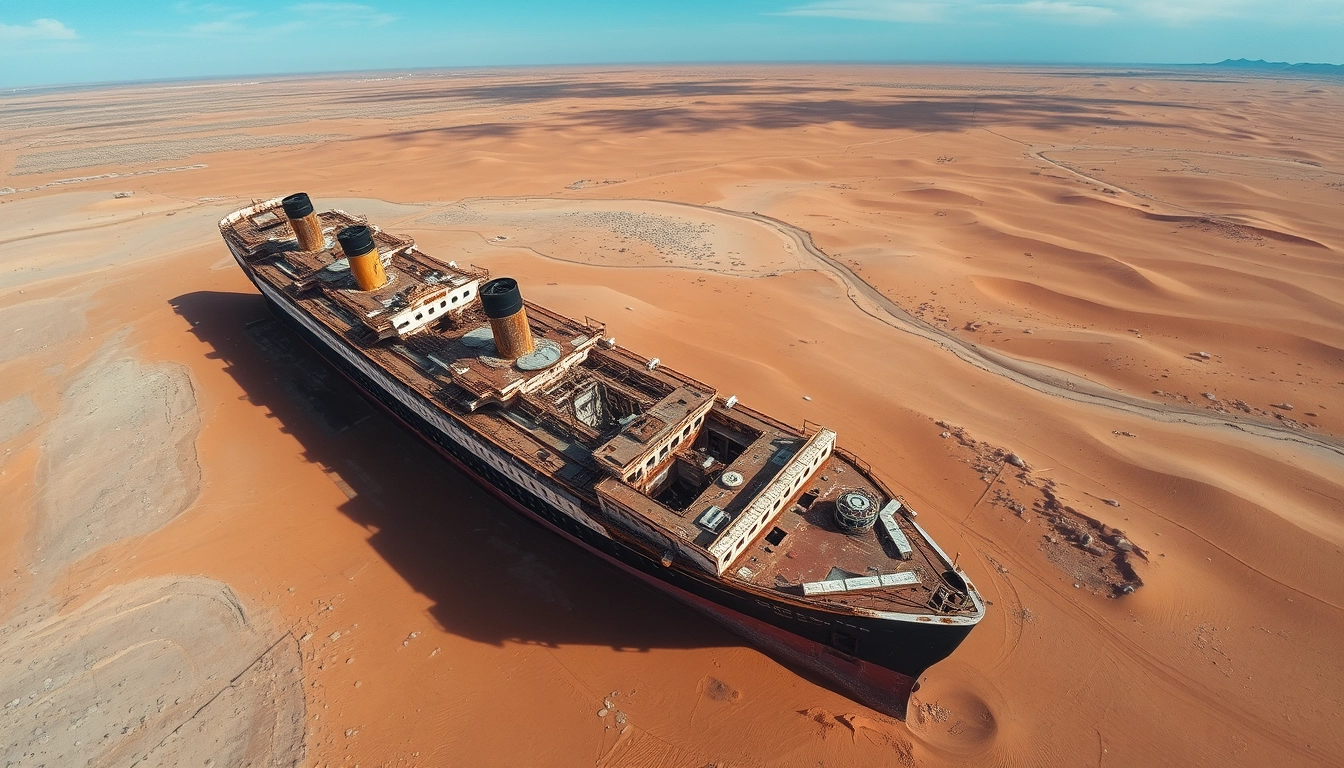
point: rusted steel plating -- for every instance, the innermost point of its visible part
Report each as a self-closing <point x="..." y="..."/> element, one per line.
<point x="503" y="304"/>
<point x="299" y="210"/>
<point x="365" y="262"/>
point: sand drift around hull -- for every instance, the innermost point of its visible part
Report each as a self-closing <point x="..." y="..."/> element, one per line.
<point x="882" y="639"/>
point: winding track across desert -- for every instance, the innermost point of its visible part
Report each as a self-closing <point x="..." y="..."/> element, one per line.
<point x="1131" y="279"/>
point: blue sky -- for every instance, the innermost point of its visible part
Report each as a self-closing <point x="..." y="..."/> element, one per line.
<point x="45" y="43"/>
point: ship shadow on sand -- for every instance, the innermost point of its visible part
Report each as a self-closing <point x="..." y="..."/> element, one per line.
<point x="493" y="576"/>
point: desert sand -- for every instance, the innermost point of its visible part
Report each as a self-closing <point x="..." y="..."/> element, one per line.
<point x="1133" y="280"/>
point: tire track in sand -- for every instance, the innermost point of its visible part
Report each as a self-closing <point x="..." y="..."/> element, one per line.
<point x="1035" y="376"/>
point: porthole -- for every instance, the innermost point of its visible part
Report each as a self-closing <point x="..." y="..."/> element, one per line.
<point x="419" y="316"/>
<point x="454" y="299"/>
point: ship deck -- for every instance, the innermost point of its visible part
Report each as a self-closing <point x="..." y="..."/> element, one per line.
<point x="804" y="544"/>
<point x="597" y="418"/>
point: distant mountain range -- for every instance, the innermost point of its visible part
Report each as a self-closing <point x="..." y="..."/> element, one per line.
<point x="1260" y="65"/>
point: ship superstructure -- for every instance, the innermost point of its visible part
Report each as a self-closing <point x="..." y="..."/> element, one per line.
<point x="773" y="529"/>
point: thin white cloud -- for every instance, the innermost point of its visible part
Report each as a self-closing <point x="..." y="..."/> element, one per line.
<point x="225" y="27"/>
<point x="199" y="8"/>
<point x="1062" y="10"/>
<point x="223" y="21"/>
<point x="1315" y="12"/>
<point x="873" y="10"/>
<point x="346" y="14"/>
<point x="39" y="29"/>
<point x="1176" y="12"/>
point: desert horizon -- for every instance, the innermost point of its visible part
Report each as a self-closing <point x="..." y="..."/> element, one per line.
<point x="1056" y="307"/>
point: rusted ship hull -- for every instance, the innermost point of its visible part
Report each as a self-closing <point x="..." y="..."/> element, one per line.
<point x="889" y="654"/>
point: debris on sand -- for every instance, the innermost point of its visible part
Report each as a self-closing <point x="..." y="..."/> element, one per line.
<point x="1096" y="555"/>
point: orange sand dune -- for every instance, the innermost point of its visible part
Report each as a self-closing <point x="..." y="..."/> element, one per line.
<point x="1133" y="283"/>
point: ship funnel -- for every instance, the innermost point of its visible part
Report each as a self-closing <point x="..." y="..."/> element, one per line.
<point x="503" y="304"/>
<point x="307" y="228"/>
<point x="365" y="262"/>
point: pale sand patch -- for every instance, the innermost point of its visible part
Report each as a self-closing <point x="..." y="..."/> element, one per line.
<point x="156" y="151"/>
<point x="161" y="671"/>
<point x="17" y="415"/>
<point x="77" y="233"/>
<point x="119" y="460"/>
<point x="32" y="326"/>
<point x="624" y="233"/>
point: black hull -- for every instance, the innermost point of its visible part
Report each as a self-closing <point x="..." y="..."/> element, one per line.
<point x="882" y="657"/>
